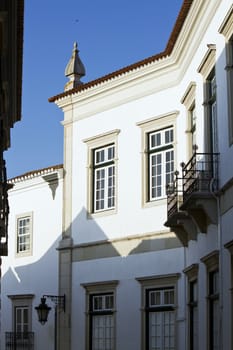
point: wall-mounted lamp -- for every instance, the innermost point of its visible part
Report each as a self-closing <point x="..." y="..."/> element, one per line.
<point x="43" y="311"/>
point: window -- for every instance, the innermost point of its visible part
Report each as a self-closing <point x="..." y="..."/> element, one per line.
<point x="192" y="275"/>
<point x="193" y="127"/>
<point x="102" y="173"/>
<point x="100" y="306"/>
<point x="189" y="102"/>
<point x="159" y="316"/>
<point x="24" y="234"/>
<point x="229" y="71"/>
<point x="229" y="286"/>
<point x="227" y="30"/>
<point x="104" y="178"/>
<point x="158" y="156"/>
<point x="213" y="310"/>
<point x="21" y="336"/>
<point x="193" y="316"/>
<point x="160" y="319"/>
<point x="207" y="69"/>
<point x="212" y="111"/>
<point x="102" y="327"/>
<point x="21" y="319"/>
<point x="160" y="161"/>
<point x="212" y="261"/>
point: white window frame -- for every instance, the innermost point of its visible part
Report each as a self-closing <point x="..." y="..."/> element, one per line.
<point x="107" y="313"/>
<point x="161" y="284"/>
<point x="95" y="144"/>
<point x="148" y="127"/>
<point x="29" y="235"/>
<point x="104" y="179"/>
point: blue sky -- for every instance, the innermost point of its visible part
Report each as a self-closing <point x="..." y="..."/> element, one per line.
<point x="110" y="34"/>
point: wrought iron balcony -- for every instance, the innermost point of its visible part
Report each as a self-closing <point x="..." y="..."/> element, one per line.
<point x="191" y="206"/>
<point x="19" y="340"/>
<point x="200" y="174"/>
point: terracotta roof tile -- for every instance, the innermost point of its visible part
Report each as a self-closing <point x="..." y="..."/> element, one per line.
<point x="170" y="45"/>
<point x="33" y="173"/>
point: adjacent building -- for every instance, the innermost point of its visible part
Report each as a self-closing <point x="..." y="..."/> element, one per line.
<point x="11" y="56"/>
<point x="31" y="268"/>
<point x="145" y="242"/>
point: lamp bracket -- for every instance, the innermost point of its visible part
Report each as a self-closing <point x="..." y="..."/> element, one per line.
<point x="58" y="300"/>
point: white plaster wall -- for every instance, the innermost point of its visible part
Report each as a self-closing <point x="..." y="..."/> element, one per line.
<point x="131" y="218"/>
<point x="36" y="274"/>
<point x="128" y="292"/>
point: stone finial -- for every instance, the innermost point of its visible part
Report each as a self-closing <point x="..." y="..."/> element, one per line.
<point x="74" y="70"/>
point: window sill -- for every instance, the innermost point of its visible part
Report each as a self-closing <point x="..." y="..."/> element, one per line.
<point x="101" y="213"/>
<point x="155" y="203"/>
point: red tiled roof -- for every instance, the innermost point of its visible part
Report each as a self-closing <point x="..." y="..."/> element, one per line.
<point x="170" y="45"/>
<point x="33" y="173"/>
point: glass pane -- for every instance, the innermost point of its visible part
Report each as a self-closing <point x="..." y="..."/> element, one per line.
<point x="102" y="332"/>
<point x="168" y="136"/>
<point x="111" y="152"/>
<point x="155" y="298"/>
<point x="169" y="297"/>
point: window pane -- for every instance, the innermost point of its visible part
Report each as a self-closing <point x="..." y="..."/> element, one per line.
<point x="156" y="178"/>
<point x="23" y="234"/>
<point x="161" y="162"/>
<point x="102" y="332"/>
<point x="155" y="298"/>
<point x="21" y="319"/>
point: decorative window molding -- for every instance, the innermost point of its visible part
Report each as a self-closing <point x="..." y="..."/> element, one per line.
<point x="24" y="234"/>
<point x="191" y="272"/>
<point x="211" y="260"/>
<point x="208" y="61"/>
<point x="102" y="165"/>
<point x="100" y="314"/>
<point x="226" y="27"/>
<point x="157" y="135"/>
<point x="159" y="302"/>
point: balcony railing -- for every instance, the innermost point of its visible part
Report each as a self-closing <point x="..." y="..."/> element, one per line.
<point x="174" y="195"/>
<point x="200" y="174"/>
<point x="19" y="340"/>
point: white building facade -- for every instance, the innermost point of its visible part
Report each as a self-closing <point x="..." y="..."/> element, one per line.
<point x="141" y="276"/>
<point x="145" y="258"/>
<point x="31" y="268"/>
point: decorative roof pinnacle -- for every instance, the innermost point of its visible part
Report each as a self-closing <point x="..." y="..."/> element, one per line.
<point x="74" y="69"/>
